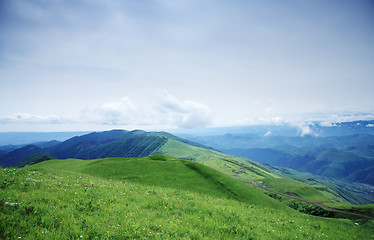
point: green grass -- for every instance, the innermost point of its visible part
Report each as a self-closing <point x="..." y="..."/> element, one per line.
<point x="70" y="205"/>
<point x="164" y="171"/>
<point x="366" y="210"/>
<point x="217" y="160"/>
<point x="246" y="171"/>
<point x="295" y="188"/>
<point x="354" y="193"/>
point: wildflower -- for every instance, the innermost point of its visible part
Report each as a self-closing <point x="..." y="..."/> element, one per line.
<point x="81" y="236"/>
<point x="28" y="202"/>
<point x="11" y="204"/>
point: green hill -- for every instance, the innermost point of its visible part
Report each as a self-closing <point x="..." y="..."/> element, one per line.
<point x="157" y="197"/>
<point x="114" y="143"/>
<point x="36" y="158"/>
<point x="349" y="158"/>
<point x="14" y="157"/>
<point x="120" y="143"/>
<point x="222" y="162"/>
<point x="164" y="171"/>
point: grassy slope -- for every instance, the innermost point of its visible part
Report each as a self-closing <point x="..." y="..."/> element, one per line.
<point x="164" y="171"/>
<point x="362" y="209"/>
<point x="309" y="180"/>
<point x="247" y="171"/>
<point x="216" y="160"/>
<point x="38" y="157"/>
<point x="291" y="187"/>
<point x="71" y="205"/>
<point x="353" y="193"/>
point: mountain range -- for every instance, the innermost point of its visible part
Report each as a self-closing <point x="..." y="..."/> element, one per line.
<point x="122" y="143"/>
<point x="154" y="185"/>
<point x="349" y="158"/>
<point x="115" y="143"/>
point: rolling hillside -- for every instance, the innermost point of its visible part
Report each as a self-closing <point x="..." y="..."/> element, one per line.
<point x="157" y="197"/>
<point x="120" y="143"/>
<point x="163" y="171"/>
<point x="115" y="143"/>
<point x="14" y="157"/>
<point x="348" y="158"/>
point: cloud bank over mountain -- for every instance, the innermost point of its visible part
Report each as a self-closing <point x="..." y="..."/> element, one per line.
<point x="164" y="110"/>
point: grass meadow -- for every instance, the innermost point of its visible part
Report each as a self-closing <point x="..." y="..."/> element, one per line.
<point x="41" y="202"/>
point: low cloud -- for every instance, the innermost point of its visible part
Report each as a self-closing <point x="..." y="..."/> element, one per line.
<point x="165" y="110"/>
<point x="25" y="118"/>
<point x="184" y="114"/>
<point x="268" y="133"/>
<point x="332" y="119"/>
<point x="305" y="130"/>
<point x="122" y="112"/>
<point x="263" y="121"/>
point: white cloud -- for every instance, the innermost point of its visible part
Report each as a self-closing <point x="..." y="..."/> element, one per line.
<point x="32" y="118"/>
<point x="330" y="120"/>
<point x="164" y="110"/>
<point x="305" y="130"/>
<point x="370" y="125"/>
<point x="268" y="133"/>
<point x="263" y="121"/>
<point x="114" y="113"/>
<point x="327" y="124"/>
<point x="186" y="114"/>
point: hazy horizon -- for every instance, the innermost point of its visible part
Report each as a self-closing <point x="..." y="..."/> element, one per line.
<point x="160" y="64"/>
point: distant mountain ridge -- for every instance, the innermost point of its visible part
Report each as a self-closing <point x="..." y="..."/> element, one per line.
<point x="138" y="143"/>
<point x="317" y="128"/>
<point x="114" y="143"/>
<point x="347" y="157"/>
<point x="14" y="157"/>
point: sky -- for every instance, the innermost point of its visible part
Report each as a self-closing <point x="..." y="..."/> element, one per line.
<point x="87" y="65"/>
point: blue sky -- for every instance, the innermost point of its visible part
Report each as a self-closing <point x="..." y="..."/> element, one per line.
<point x="158" y="64"/>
